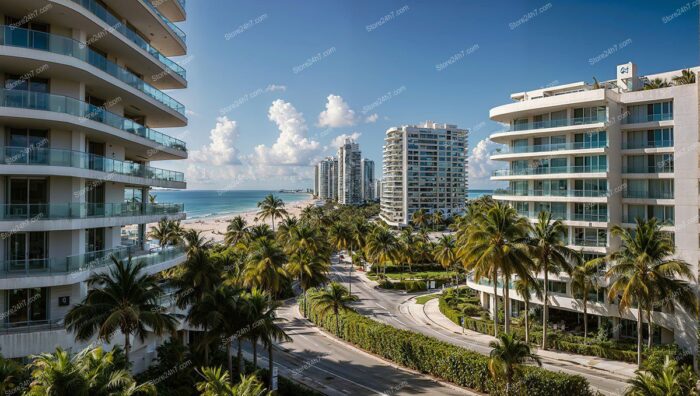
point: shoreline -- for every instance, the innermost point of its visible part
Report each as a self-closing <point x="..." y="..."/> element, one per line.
<point x="214" y="227"/>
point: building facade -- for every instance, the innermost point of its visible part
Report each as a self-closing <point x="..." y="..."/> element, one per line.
<point x="597" y="155"/>
<point x="327" y="179"/>
<point x="349" y="173"/>
<point x="424" y="167"/>
<point x="82" y="114"/>
<point x="368" y="181"/>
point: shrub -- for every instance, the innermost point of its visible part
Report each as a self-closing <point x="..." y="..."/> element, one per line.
<point x="441" y="359"/>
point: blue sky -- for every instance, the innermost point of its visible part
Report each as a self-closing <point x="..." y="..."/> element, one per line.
<point x="261" y="72"/>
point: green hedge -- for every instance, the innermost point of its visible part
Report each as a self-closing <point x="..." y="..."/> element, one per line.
<point x="557" y="341"/>
<point x="441" y="359"/>
<point x="410" y="285"/>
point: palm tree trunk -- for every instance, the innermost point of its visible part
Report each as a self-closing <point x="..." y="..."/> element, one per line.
<point x="527" y="321"/>
<point x="639" y="337"/>
<point x="273" y="223"/>
<point x="544" y="311"/>
<point x="270" y="363"/>
<point x="585" y="318"/>
<point x="206" y="349"/>
<point x="495" y="304"/>
<point x="229" y="359"/>
<point x="127" y="347"/>
<point x="337" y="324"/>
<point x="506" y="305"/>
<point x="651" y="328"/>
<point x="239" y="356"/>
<point x="255" y="354"/>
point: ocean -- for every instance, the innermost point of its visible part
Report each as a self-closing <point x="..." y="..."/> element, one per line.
<point x="208" y="203"/>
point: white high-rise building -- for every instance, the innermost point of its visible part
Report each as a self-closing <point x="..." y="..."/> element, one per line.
<point x="349" y="173"/>
<point x="82" y="118"/>
<point x="424" y="168"/>
<point x="599" y="155"/>
<point x="327" y="180"/>
<point x="368" y="191"/>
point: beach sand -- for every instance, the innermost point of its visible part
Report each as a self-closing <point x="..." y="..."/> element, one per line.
<point x="215" y="227"/>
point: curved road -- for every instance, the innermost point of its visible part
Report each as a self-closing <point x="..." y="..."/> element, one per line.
<point x="390" y="307"/>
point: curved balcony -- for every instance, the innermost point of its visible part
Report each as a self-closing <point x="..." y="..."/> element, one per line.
<point x="552" y="193"/>
<point x="167" y="21"/>
<point x="556" y="123"/>
<point x="40" y="212"/>
<point x="549" y="170"/>
<point x="82" y="160"/>
<point x="86" y="261"/>
<point x="85" y="111"/>
<point x="540" y="148"/>
<point x="99" y="11"/>
<point x="61" y="45"/>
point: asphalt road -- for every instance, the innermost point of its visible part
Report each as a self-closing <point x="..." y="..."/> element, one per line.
<point x="335" y="368"/>
<point x="388" y="307"/>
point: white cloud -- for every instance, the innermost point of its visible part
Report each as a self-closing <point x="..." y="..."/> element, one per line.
<point x="372" y="118"/>
<point x="340" y="139"/>
<point x="337" y="114"/>
<point x="221" y="149"/>
<point x="292" y="147"/>
<point x="480" y="164"/>
<point x="275" y="87"/>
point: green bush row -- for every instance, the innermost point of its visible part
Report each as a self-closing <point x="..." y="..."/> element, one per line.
<point x="440" y="359"/>
<point x="410" y="286"/>
<point x="555" y="340"/>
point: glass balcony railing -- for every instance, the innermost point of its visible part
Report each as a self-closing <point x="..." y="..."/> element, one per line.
<point x="99" y="11"/>
<point x="645" y="145"/>
<point x="85" y="111"/>
<point x="550" y="170"/>
<point x="648" y="118"/>
<point x="550" y="147"/>
<point x="17" y="37"/>
<point x="633" y="220"/>
<point x="565" y="216"/>
<point x="589" y="242"/>
<point x="648" y="194"/>
<point x="79" y="159"/>
<point x="552" y="193"/>
<point x="167" y="21"/>
<point x="86" y="261"/>
<point x="647" y="169"/>
<point x="41" y="211"/>
<point x="556" y="123"/>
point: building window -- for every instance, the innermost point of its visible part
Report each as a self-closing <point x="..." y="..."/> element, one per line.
<point x="27" y="306"/>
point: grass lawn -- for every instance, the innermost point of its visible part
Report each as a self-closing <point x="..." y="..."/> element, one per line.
<point x="425" y="299"/>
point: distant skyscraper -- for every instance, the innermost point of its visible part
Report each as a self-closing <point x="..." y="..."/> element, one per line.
<point x="349" y="173"/>
<point x="424" y="168"/>
<point x="377" y="189"/>
<point x="327" y="178"/>
<point x="368" y="191"/>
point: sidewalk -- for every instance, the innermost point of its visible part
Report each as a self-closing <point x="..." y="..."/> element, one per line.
<point x="430" y="312"/>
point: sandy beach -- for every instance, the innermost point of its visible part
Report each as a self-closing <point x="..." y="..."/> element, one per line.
<point x="215" y="227"/>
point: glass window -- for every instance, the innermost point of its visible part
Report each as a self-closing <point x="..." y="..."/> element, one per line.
<point x="26" y="306"/>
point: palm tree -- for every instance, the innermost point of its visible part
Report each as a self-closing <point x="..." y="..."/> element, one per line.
<point x="526" y="288"/>
<point x="687" y="77"/>
<point x="407" y="252"/>
<point x="10" y="375"/>
<point x="216" y="382"/>
<point x="341" y="238"/>
<point x="420" y="218"/>
<point x="334" y="298"/>
<point x="56" y="374"/>
<point x="495" y="244"/>
<point x="584" y="279"/>
<point x="310" y="269"/>
<point x="507" y="355"/>
<point x="265" y="266"/>
<point x="236" y="231"/>
<point x="382" y="247"/>
<point x="437" y="219"/>
<point x="287" y="226"/>
<point x="655" y="84"/>
<point x="124" y="299"/>
<point x="643" y="271"/>
<point x="165" y="232"/>
<point x="548" y="247"/>
<point x="195" y="241"/>
<point x="446" y="251"/>
<point x="667" y="380"/>
<point x="260" y="231"/>
<point x="271" y="207"/>
<point x="266" y="325"/>
<point x="152" y="197"/>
